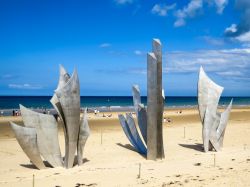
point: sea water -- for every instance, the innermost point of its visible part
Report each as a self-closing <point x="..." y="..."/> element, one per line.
<point x="12" y="102"/>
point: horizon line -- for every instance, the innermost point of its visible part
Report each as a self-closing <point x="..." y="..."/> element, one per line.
<point x="109" y="96"/>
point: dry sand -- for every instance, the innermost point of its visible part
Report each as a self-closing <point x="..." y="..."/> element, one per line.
<point x="111" y="161"/>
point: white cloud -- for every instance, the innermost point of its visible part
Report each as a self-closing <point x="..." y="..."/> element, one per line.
<point x="230" y="73"/>
<point x="138" y="52"/>
<point x="231" y="29"/>
<point x="220" y="4"/>
<point x="179" y="22"/>
<point x="188" y="11"/>
<point x="227" y="63"/>
<point x="104" y="45"/>
<point x="245" y="37"/>
<point x="162" y="9"/>
<point x="25" y="86"/>
<point x="242" y="51"/>
<point x="195" y="7"/>
<point x="240" y="32"/>
<point x="230" y="64"/>
<point x="123" y="2"/>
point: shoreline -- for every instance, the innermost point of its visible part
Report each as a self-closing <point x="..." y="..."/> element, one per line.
<point x="8" y="112"/>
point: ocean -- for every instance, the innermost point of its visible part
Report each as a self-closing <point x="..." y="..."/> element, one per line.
<point x="43" y="102"/>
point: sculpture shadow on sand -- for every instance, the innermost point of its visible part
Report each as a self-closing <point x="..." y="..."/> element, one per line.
<point x="196" y="146"/>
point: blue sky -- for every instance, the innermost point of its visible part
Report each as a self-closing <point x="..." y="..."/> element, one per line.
<point x="107" y="41"/>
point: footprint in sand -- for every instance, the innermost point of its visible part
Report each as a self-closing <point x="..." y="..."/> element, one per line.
<point x="197" y="164"/>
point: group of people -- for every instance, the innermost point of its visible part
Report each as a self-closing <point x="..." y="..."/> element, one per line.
<point x="16" y="113"/>
<point x="96" y="112"/>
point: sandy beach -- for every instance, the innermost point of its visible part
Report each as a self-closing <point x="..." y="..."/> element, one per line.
<point x="111" y="161"/>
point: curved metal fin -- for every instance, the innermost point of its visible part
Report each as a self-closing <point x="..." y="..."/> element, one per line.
<point x="63" y="77"/>
<point x="211" y="120"/>
<point x="223" y="123"/>
<point x="210" y="138"/>
<point x="84" y="133"/>
<point x="224" y="119"/>
<point x="157" y="48"/>
<point x="218" y="130"/>
<point x="140" y="111"/>
<point x="127" y="131"/>
<point x="69" y="98"/>
<point x="27" y="139"/>
<point x="208" y="93"/>
<point x="142" y="121"/>
<point x="57" y="105"/>
<point x="47" y="134"/>
<point x="132" y="127"/>
<point x="30" y="117"/>
<point x="136" y="97"/>
<point x="47" y="140"/>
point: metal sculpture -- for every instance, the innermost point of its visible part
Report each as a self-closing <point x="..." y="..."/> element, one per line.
<point x="150" y="120"/>
<point x="47" y="134"/>
<point x="84" y="133"/>
<point x="27" y="139"/>
<point x="39" y="136"/>
<point x="155" y="103"/>
<point x="69" y="98"/>
<point x="213" y="123"/>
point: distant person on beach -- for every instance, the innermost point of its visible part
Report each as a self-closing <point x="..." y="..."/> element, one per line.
<point x="169" y="120"/>
<point x="96" y="112"/>
<point x="13" y="112"/>
<point x="179" y="112"/>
